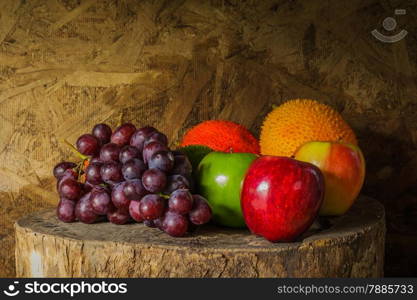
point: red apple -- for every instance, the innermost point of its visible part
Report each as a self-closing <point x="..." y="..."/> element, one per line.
<point x="343" y="167"/>
<point x="281" y="197"/>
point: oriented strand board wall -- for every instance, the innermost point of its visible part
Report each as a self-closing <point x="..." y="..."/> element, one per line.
<point x="66" y="65"/>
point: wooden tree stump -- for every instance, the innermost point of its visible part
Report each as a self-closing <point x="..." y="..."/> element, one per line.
<point x="348" y="246"/>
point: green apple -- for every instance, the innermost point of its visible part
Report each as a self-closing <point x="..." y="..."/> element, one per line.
<point x="220" y="178"/>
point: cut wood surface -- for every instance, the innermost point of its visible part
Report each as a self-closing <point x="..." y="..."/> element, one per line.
<point x="347" y="246"/>
<point x="68" y="64"/>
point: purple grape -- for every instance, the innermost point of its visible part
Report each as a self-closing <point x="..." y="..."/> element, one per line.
<point x="182" y="166"/>
<point x="121" y="136"/>
<point x="118" y="196"/>
<point x="162" y="160"/>
<point x="176" y="182"/>
<point x="70" y="189"/>
<point x="96" y="159"/>
<point x="111" y="172"/>
<point x="133" y="169"/>
<point x="158" y="223"/>
<point x="60" y="168"/>
<point x="134" y="189"/>
<point x="102" y="132"/>
<point x="109" y="152"/>
<point x="100" y="201"/>
<point x="175" y="224"/>
<point x="157" y="137"/>
<point x="85" y="197"/>
<point x="180" y="201"/>
<point x="118" y="216"/>
<point x="128" y="152"/>
<point x="152" y="148"/>
<point x="66" y="210"/>
<point x="149" y="223"/>
<point x="92" y="173"/>
<point x="84" y="211"/>
<point x="134" y="211"/>
<point x="154" y="180"/>
<point x="68" y="174"/>
<point x="88" y="144"/>
<point x="201" y="211"/>
<point x="151" y="207"/>
<point x="140" y="136"/>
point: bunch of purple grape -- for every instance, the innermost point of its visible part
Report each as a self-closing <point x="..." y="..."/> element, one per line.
<point x="130" y="174"/>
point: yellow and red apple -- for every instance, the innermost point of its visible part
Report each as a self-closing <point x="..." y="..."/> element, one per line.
<point x="343" y="167"/>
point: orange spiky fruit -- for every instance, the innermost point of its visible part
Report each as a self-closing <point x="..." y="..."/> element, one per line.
<point x="224" y="136"/>
<point x="296" y="122"/>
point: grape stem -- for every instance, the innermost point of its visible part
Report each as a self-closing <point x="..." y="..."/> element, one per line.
<point x="164" y="196"/>
<point x="79" y="167"/>
<point x="73" y="149"/>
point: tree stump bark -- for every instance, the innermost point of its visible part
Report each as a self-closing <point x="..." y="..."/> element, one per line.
<point x="348" y="246"/>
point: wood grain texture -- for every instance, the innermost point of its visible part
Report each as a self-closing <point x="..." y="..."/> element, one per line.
<point x="348" y="246"/>
<point x="65" y="65"/>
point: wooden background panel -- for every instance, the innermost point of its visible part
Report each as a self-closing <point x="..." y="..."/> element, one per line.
<point x="67" y="64"/>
